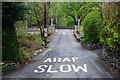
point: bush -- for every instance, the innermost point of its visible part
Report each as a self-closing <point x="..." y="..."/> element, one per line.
<point x="110" y="34"/>
<point x="91" y="26"/>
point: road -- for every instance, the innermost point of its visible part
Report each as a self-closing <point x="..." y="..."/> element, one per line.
<point x="65" y="48"/>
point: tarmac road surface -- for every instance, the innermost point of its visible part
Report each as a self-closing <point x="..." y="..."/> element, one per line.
<point x="67" y="59"/>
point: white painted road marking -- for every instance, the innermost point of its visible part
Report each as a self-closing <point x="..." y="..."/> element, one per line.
<point x="95" y="65"/>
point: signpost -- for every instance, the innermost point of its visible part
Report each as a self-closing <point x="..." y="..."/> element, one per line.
<point x="45" y="25"/>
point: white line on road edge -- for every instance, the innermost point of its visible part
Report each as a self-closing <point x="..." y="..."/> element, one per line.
<point x="95" y="65"/>
<point x="99" y="68"/>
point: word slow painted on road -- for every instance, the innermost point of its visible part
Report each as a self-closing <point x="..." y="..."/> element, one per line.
<point x="63" y="67"/>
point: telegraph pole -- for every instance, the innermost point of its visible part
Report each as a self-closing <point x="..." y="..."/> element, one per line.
<point x="45" y="25"/>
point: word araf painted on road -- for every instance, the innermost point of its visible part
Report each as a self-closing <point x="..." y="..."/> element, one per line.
<point x="68" y="67"/>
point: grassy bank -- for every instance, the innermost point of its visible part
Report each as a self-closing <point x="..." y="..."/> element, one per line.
<point x="30" y="42"/>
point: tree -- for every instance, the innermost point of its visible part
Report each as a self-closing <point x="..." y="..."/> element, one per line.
<point x="36" y="13"/>
<point x="78" y="10"/>
<point x="12" y="12"/>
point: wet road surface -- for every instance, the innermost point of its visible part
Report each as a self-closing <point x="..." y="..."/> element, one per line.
<point x="65" y="47"/>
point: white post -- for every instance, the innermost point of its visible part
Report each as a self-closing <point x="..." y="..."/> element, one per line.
<point x="51" y="22"/>
<point x="78" y="22"/>
<point x="51" y="25"/>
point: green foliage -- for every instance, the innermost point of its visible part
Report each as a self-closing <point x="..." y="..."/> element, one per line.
<point x="78" y="10"/>
<point x="8" y="68"/>
<point x="21" y="56"/>
<point x="110" y="34"/>
<point x="92" y="24"/>
<point x="10" y="47"/>
<point x="12" y="12"/>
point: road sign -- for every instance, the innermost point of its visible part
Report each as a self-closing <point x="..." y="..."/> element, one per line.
<point x="52" y="19"/>
<point x="45" y="32"/>
<point x="78" y="19"/>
